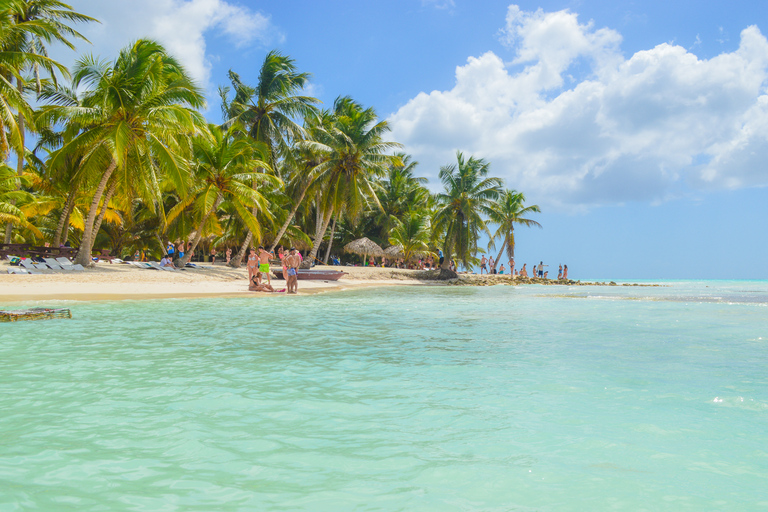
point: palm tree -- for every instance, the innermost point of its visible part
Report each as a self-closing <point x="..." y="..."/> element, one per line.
<point x="225" y="169"/>
<point x="400" y="192"/>
<point x="138" y="114"/>
<point x="469" y="193"/>
<point x="298" y="171"/>
<point x="412" y="234"/>
<point x="269" y="111"/>
<point x="354" y="154"/>
<point x="506" y="212"/>
<point x="9" y="196"/>
<point x="33" y="24"/>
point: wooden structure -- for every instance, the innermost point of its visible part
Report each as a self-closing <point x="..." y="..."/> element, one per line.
<point x="34" y="314"/>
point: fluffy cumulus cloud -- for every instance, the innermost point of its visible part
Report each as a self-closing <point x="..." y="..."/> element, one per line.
<point x="643" y="128"/>
<point x="181" y="25"/>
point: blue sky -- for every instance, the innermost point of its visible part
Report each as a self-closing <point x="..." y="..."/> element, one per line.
<point x="640" y="128"/>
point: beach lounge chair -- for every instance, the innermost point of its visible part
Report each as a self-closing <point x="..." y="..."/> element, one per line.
<point x="158" y="266"/>
<point x="29" y="265"/>
<point x="53" y="264"/>
<point x="143" y="264"/>
<point x="66" y="264"/>
<point x="20" y="270"/>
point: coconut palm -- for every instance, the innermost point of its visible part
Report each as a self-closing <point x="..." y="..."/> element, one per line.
<point x="138" y="114"/>
<point x="399" y="192"/>
<point x="32" y="24"/>
<point x="412" y="234"/>
<point x="354" y="154"/>
<point x="507" y="211"/>
<point x="269" y="111"/>
<point x="10" y="196"/>
<point x="225" y="169"/>
<point x="469" y="194"/>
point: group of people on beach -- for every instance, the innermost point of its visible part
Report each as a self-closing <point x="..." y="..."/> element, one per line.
<point x="258" y="266"/>
<point x="488" y="266"/>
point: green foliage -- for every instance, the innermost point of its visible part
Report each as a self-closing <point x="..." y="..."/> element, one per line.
<point x="468" y="196"/>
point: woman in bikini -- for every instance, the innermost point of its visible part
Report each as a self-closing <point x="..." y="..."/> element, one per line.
<point x="252" y="264"/>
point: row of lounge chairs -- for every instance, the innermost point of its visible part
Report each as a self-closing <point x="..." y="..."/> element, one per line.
<point x="150" y="265"/>
<point x="27" y="266"/>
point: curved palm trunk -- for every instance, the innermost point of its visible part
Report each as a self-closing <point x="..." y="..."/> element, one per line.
<point x="64" y="219"/>
<point x="498" y="258"/>
<point x="319" y="234"/>
<point x="19" y="159"/>
<point x="103" y="211"/>
<point x="199" y="236"/>
<point x="330" y="241"/>
<point x="238" y="259"/>
<point x="86" y="244"/>
<point x="288" y="221"/>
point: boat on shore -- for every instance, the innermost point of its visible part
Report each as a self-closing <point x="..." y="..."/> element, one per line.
<point x="34" y="314"/>
<point x="313" y="275"/>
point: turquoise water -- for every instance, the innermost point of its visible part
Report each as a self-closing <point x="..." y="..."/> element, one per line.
<point x="444" y="399"/>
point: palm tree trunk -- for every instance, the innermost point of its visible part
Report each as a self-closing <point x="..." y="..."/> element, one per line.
<point x="288" y="221"/>
<point x="103" y="212"/>
<point x="238" y="259"/>
<point x="199" y="236"/>
<point x="496" y="261"/>
<point x="86" y="244"/>
<point x="330" y="240"/>
<point x="64" y="219"/>
<point x="319" y="234"/>
<point x="19" y="159"/>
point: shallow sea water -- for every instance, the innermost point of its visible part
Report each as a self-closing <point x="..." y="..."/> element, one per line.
<point x="412" y="399"/>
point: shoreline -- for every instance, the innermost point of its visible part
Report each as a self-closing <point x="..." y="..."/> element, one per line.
<point x="107" y="282"/>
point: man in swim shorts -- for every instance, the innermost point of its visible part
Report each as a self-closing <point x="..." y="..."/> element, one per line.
<point x="264" y="263"/>
<point x="290" y="268"/>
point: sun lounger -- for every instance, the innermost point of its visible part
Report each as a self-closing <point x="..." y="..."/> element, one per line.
<point x="30" y="265"/>
<point x="66" y="264"/>
<point x="158" y="266"/>
<point x="54" y="265"/>
<point x="143" y="264"/>
<point x="19" y="270"/>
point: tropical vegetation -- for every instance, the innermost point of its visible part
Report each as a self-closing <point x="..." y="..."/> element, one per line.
<point x="118" y="155"/>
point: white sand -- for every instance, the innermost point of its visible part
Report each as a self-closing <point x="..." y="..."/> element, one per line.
<point x="120" y="281"/>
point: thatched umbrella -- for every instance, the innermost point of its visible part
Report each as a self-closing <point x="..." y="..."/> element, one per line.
<point x="364" y="247"/>
<point x="394" y="251"/>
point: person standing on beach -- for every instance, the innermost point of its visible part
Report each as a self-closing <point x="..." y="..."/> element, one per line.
<point x="440" y="255"/>
<point x="541" y="268"/>
<point x="501" y="269"/>
<point x="213" y="255"/>
<point x="560" y="272"/>
<point x="180" y="249"/>
<point x="291" y="262"/>
<point x="483" y="263"/>
<point x="512" y="266"/>
<point x="170" y="250"/>
<point x="264" y="263"/>
<point x="565" y="271"/>
<point x="253" y="262"/>
<point x="229" y="254"/>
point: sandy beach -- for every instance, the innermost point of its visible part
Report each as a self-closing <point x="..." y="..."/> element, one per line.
<point x="117" y="281"/>
<point x="107" y="281"/>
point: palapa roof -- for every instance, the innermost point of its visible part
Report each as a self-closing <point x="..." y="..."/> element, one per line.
<point x="394" y="251"/>
<point x="364" y="246"/>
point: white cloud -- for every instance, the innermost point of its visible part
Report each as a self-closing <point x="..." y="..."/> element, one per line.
<point x="180" y="25"/>
<point x="639" y="128"/>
